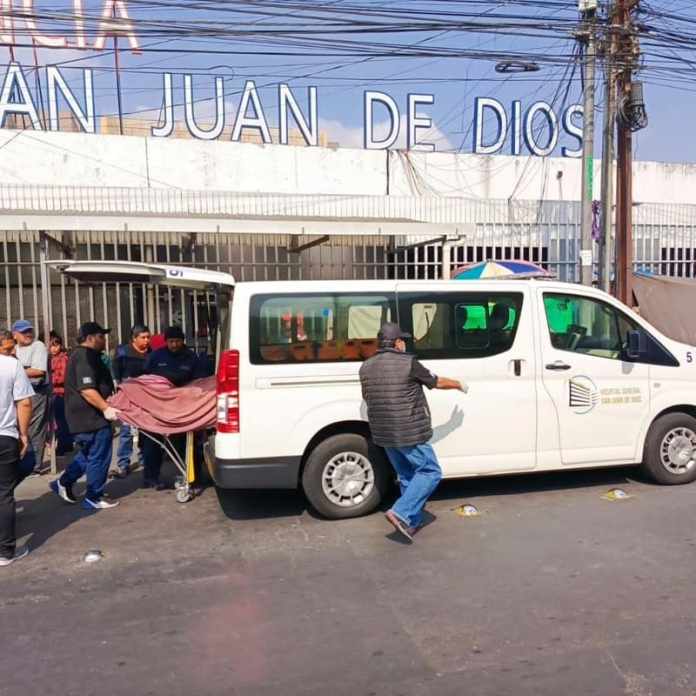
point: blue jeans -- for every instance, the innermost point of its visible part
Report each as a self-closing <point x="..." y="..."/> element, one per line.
<point x="125" y="447"/>
<point x="419" y="473"/>
<point x="93" y="458"/>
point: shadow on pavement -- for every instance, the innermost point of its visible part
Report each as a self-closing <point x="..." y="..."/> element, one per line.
<point x="261" y="504"/>
<point x="46" y="515"/>
<point x="536" y="482"/>
<point x="268" y="504"/>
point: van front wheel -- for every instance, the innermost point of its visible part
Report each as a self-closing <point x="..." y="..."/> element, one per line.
<point x="345" y="476"/>
<point x="670" y="449"/>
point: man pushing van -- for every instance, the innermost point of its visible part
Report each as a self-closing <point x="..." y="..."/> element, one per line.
<point x="392" y="386"/>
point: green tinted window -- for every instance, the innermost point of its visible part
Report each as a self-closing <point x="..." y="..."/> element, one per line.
<point x="460" y="324"/>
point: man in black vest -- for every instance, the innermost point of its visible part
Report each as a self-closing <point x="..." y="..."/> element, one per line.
<point x="392" y="386"/>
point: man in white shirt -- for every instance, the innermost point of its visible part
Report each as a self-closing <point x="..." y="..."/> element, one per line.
<point x="33" y="355"/>
<point x="15" y="413"/>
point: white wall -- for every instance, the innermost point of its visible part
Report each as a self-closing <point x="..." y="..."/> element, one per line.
<point x="530" y="178"/>
<point x="105" y="160"/>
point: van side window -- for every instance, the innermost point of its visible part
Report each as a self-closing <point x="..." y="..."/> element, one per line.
<point x="592" y="327"/>
<point x="583" y="325"/>
<point x="460" y="325"/>
<point x="316" y="327"/>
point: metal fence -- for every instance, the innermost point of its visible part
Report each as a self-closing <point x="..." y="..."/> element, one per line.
<point x="546" y="233"/>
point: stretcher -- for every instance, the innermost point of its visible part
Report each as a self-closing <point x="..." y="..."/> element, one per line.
<point x="183" y="487"/>
<point x="153" y="407"/>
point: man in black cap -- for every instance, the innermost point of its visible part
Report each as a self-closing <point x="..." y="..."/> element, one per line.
<point x="88" y="384"/>
<point x="392" y="386"/>
<point x="179" y="365"/>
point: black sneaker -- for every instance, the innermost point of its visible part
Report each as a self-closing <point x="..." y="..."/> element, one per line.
<point x="18" y="555"/>
<point x="120" y="473"/>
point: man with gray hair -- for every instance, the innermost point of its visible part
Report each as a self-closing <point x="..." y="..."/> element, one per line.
<point x="33" y="356"/>
<point x="392" y="385"/>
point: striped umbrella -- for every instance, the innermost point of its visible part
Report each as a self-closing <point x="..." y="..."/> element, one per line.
<point x="500" y="269"/>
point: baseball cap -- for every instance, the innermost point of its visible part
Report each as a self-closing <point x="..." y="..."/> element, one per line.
<point x="173" y="332"/>
<point x="22" y="326"/>
<point x="90" y="328"/>
<point x="390" y="332"/>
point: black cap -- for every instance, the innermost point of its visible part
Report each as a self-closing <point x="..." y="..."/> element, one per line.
<point x="390" y="332"/>
<point x="174" y="332"/>
<point x="90" y="328"/>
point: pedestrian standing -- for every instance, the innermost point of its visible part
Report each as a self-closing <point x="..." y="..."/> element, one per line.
<point x="392" y="385"/>
<point x="179" y="365"/>
<point x="33" y="355"/>
<point x="59" y="367"/>
<point x="129" y="362"/>
<point x="88" y="384"/>
<point x="8" y="346"/>
<point x="15" y="415"/>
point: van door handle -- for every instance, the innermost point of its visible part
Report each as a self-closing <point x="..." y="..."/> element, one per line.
<point x="558" y="366"/>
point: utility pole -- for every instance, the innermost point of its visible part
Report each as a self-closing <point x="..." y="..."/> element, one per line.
<point x="608" y="139"/>
<point x="588" y="8"/>
<point x="631" y="117"/>
<point x="117" y="67"/>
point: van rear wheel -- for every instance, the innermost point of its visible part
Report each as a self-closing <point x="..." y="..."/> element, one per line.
<point x="345" y="476"/>
<point x="670" y="449"/>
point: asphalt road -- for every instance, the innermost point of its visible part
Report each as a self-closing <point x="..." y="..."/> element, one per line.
<point x="551" y="590"/>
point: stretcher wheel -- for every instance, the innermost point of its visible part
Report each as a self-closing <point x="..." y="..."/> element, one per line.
<point x="183" y="495"/>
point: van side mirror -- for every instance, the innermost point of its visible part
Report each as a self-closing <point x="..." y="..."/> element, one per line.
<point x="636" y="345"/>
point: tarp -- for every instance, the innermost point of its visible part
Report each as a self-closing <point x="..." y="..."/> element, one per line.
<point x="153" y="404"/>
<point x="669" y="304"/>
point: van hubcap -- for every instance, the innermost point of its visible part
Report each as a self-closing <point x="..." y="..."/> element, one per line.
<point x="348" y="479"/>
<point x="677" y="450"/>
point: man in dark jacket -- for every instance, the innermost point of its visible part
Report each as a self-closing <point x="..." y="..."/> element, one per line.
<point x="392" y="386"/>
<point x="129" y="361"/>
<point x="179" y="365"/>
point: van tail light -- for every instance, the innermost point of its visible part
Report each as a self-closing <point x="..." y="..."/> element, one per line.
<point x="228" y="392"/>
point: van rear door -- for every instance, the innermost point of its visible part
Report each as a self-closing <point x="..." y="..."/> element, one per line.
<point x="154" y="274"/>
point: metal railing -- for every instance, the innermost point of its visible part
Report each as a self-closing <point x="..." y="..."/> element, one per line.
<point x="546" y="233"/>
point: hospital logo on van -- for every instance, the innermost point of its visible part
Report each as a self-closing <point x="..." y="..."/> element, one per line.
<point x="584" y="395"/>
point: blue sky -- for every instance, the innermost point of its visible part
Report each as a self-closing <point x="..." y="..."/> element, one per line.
<point x="455" y="82"/>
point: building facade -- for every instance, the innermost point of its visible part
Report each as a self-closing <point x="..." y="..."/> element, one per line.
<point x="265" y="212"/>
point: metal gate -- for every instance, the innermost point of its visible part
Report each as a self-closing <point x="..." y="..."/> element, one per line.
<point x="546" y="233"/>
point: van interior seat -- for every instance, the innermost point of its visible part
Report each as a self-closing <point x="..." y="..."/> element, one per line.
<point x="368" y="347"/>
<point x="274" y="353"/>
<point x="302" y="351"/>
<point x="329" y="351"/>
<point x="351" y="350"/>
<point x="500" y="317"/>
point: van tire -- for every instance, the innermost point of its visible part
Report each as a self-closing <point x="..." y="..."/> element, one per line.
<point x="330" y="449"/>
<point x="659" y="458"/>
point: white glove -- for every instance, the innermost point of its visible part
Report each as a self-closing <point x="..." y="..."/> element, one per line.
<point x="464" y="387"/>
<point x="110" y="413"/>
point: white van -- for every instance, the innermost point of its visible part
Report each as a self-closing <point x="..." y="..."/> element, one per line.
<point x="560" y="376"/>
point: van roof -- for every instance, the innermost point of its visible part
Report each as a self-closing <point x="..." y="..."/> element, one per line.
<point x="346" y="285"/>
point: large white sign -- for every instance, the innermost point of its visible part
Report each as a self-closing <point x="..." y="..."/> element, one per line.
<point x="536" y="129"/>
